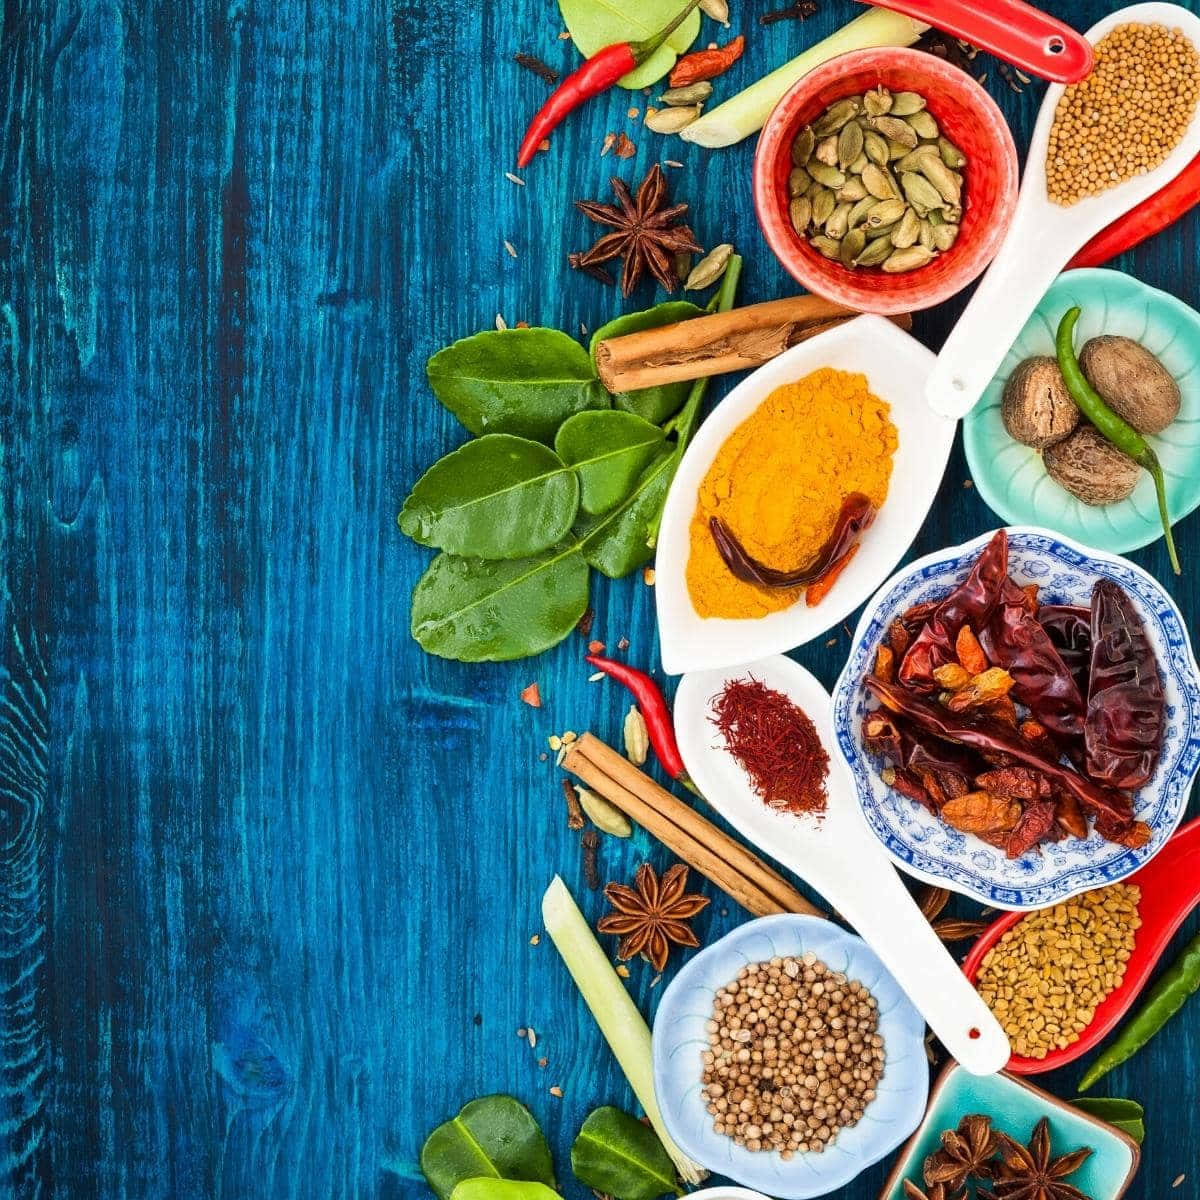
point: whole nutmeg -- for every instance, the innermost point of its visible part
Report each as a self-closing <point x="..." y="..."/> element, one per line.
<point x="1091" y="468"/>
<point x="1037" y="409"/>
<point x="1134" y="384"/>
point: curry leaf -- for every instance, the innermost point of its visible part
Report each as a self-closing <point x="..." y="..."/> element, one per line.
<point x="595" y="24"/>
<point x="520" y="381"/>
<point x="609" y="450"/>
<point x="494" y="1136"/>
<point x="655" y="404"/>
<point x="502" y="1189"/>
<point x="619" y="1156"/>
<point x="474" y="610"/>
<point x="622" y="540"/>
<point x="496" y="497"/>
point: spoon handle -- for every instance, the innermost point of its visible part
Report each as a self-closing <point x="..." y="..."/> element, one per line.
<point x="1017" y="32"/>
<point x="880" y="908"/>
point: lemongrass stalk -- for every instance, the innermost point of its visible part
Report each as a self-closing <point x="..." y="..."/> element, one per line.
<point x="747" y="112"/>
<point x="610" y="1004"/>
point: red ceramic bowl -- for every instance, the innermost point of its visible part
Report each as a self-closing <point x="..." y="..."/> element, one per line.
<point x="967" y="115"/>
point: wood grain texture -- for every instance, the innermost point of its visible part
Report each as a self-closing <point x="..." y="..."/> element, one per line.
<point x="268" y="875"/>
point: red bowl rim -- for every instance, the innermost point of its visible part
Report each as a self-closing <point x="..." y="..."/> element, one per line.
<point x="880" y="293"/>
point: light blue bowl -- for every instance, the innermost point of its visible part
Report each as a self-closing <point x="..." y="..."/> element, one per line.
<point x="680" y="1039"/>
<point x="1015" y="1108"/>
<point x="916" y="840"/>
<point x="1012" y="479"/>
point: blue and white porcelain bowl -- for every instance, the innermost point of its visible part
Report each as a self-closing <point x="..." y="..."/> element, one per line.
<point x="680" y="1039"/>
<point x="919" y="843"/>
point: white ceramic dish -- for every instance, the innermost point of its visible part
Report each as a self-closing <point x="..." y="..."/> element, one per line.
<point x="840" y="857"/>
<point x="1043" y="237"/>
<point x="896" y="367"/>
<point x="920" y="844"/>
<point x="680" y="1038"/>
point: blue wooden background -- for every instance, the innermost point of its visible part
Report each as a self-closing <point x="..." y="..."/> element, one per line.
<point x="268" y="874"/>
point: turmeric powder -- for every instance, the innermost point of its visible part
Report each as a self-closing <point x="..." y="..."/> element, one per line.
<point x="779" y="480"/>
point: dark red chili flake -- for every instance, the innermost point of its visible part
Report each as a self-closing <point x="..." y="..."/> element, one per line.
<point x="775" y="743"/>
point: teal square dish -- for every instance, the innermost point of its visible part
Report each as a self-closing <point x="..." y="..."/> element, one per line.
<point x="1011" y="478"/>
<point x="1015" y="1108"/>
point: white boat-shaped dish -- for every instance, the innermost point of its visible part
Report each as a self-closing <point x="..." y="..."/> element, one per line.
<point x="897" y="368"/>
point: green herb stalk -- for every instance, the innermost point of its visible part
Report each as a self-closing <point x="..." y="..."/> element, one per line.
<point x="1117" y="430"/>
<point x="1163" y="1001"/>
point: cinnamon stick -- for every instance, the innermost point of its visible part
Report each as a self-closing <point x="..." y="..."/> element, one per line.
<point x="699" y="843"/>
<point x="717" y="344"/>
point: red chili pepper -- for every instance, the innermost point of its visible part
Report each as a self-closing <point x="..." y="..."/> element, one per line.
<point x="596" y="75"/>
<point x="706" y="64"/>
<point x="657" y="714"/>
<point x="1152" y="216"/>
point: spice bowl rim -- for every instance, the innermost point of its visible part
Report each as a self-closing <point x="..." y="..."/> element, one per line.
<point x="679" y="1037"/>
<point x="872" y="290"/>
<point x="923" y="847"/>
<point x="991" y="450"/>
<point x="896" y="366"/>
<point x="951" y="1073"/>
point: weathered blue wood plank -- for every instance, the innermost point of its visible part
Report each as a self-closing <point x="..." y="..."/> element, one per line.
<point x="268" y="875"/>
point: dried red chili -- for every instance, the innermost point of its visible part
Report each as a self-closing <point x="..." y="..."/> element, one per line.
<point x="1013" y="639"/>
<point x="1126" y="707"/>
<point x="971" y="603"/>
<point x="776" y="744"/>
<point x="1069" y="627"/>
<point x="706" y="64"/>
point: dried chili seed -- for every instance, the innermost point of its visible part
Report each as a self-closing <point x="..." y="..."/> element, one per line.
<point x="706" y="64"/>
<point x="969" y="652"/>
<point x="885" y="664"/>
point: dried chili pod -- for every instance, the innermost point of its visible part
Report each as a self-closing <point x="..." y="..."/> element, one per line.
<point x="1014" y="640"/>
<point x="971" y="603"/>
<point x="1069" y="627"/>
<point x="1126" y="708"/>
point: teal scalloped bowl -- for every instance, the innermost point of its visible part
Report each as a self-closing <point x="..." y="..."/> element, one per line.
<point x="1010" y="477"/>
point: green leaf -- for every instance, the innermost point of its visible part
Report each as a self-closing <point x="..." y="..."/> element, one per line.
<point x="474" y="610"/>
<point x="494" y="1136"/>
<point x="621" y="1157"/>
<point x="609" y="450"/>
<point x="621" y="541"/>
<point x="595" y="24"/>
<point x="1126" y="1115"/>
<point x="496" y="497"/>
<point x="654" y="404"/>
<point x="502" y="1189"/>
<point x="521" y="381"/>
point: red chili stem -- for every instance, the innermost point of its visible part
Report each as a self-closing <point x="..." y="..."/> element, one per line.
<point x="655" y="711"/>
<point x="1152" y="216"/>
<point x="596" y="75"/>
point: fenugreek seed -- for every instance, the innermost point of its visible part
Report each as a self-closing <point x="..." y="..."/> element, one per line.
<point x="694" y="93"/>
<point x="671" y="120"/>
<point x="710" y="268"/>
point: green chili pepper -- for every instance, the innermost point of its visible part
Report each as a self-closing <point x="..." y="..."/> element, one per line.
<point x="1114" y="428"/>
<point x="1162" y="1002"/>
<point x="1125" y="1115"/>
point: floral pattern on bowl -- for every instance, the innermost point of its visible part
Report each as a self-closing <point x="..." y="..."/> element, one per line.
<point x="680" y="1038"/>
<point x="1012" y="479"/>
<point x="932" y="851"/>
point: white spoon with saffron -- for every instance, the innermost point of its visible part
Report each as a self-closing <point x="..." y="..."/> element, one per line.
<point x="839" y="856"/>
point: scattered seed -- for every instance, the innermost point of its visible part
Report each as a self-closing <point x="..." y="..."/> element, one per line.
<point x="607" y="144"/>
<point x="648" y="576"/>
<point x="514" y="179"/>
<point x="532" y="695"/>
<point x="622" y="970"/>
<point x="670" y="162"/>
<point x="625" y="147"/>
<point x="530" y="1036"/>
<point x="599" y="675"/>
<point x="512" y="250"/>
<point x="556" y="1091"/>
<point x="501" y="323"/>
<point x="543" y="1062"/>
<point x="554" y="741"/>
<point x="595" y="647"/>
<point x="569" y="737"/>
<point x="1178" y="1180"/>
<point x="632" y="113"/>
<point x="623" y="644"/>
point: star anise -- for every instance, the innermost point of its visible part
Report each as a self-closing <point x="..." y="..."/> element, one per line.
<point x="645" y="236"/>
<point x="966" y="1154"/>
<point x="933" y="1191"/>
<point x="653" y="915"/>
<point x="1030" y="1173"/>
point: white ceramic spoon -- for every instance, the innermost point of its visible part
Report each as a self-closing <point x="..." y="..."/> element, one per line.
<point x="1043" y="238"/>
<point x="840" y="857"/>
